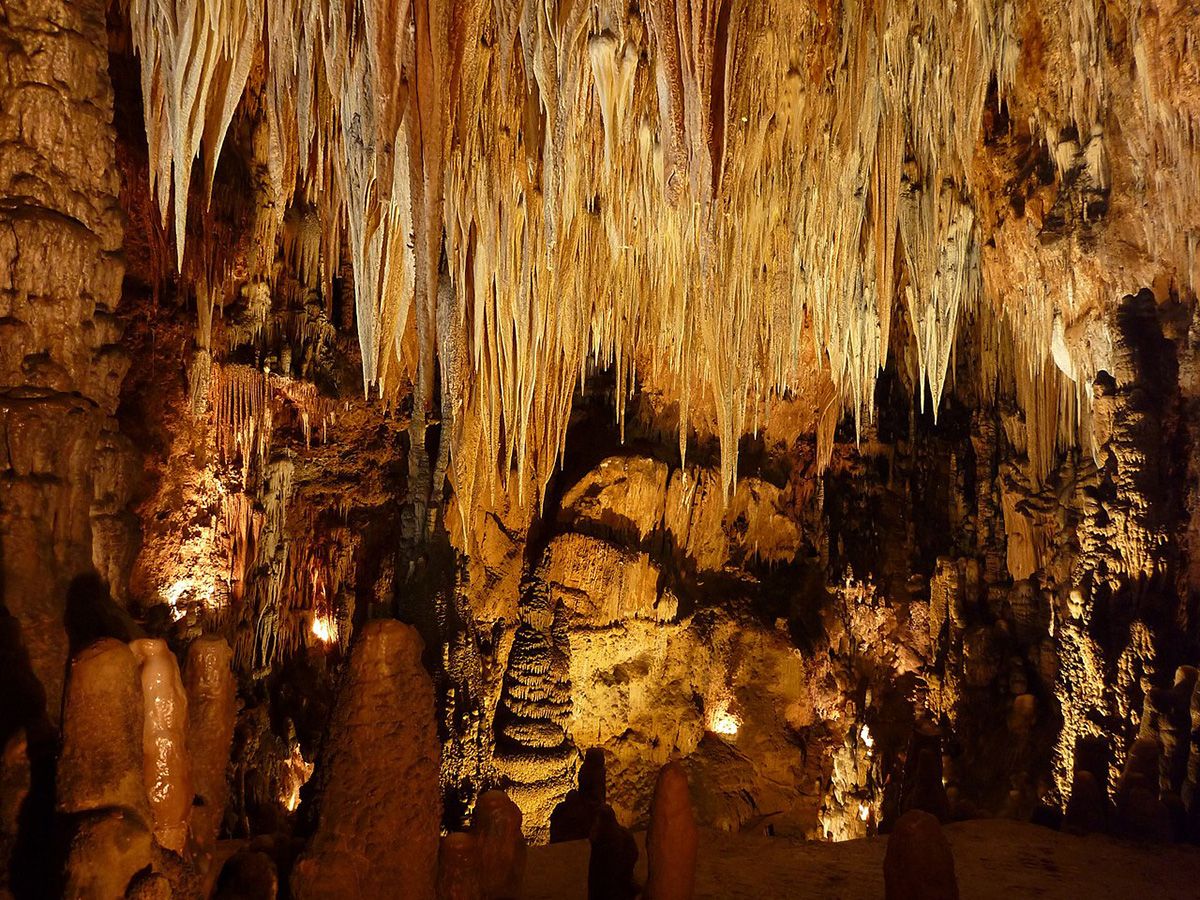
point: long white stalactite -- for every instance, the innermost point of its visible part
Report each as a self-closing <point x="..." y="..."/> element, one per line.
<point x="723" y="199"/>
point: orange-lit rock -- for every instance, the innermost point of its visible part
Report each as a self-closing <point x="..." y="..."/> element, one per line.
<point x="672" y="838"/>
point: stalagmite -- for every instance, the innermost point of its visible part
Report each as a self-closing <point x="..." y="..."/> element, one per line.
<point x="614" y="854"/>
<point x="101" y="781"/>
<point x="101" y="765"/>
<point x="918" y="864"/>
<point x="460" y="875"/>
<point x="167" y="766"/>
<point x="380" y="814"/>
<point x="497" y="829"/>
<point x="672" y="838"/>
<point x="212" y="711"/>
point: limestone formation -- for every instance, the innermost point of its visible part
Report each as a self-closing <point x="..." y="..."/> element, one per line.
<point x="919" y="864"/>
<point x="1087" y="810"/>
<point x="573" y="818"/>
<point x="61" y="364"/>
<point x="212" y="696"/>
<point x="108" y="850"/>
<point x="735" y="383"/>
<point x="101" y="765"/>
<point x="165" y="759"/>
<point x="380" y="817"/>
<point x="247" y="875"/>
<point x="497" y="829"/>
<point x="672" y="838"/>
<point x="460" y="875"/>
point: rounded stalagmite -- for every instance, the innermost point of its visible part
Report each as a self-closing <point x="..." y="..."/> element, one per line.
<point x="101" y="762"/>
<point x="165" y="759"/>
<point x="212" y="713"/>
<point x="672" y="838"/>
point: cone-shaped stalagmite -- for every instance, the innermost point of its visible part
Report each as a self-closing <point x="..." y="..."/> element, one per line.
<point x="672" y="838"/>
<point x="212" y="711"/>
<point x="165" y="760"/>
<point x="380" y="817"/>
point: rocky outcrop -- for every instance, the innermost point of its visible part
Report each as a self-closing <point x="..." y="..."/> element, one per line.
<point x="380" y="816"/>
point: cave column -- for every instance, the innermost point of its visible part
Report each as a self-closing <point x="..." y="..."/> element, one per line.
<point x="60" y="281"/>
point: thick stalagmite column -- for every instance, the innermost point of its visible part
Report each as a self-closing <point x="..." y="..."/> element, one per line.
<point x="101" y="762"/>
<point x="380" y="804"/>
<point x="100" y="780"/>
<point x="672" y="838"/>
<point x="497" y="827"/>
<point x="212" y="713"/>
<point x="60" y="280"/>
<point x="164" y="741"/>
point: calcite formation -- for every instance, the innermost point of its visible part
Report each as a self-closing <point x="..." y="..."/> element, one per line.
<point x="165" y="759"/>
<point x="212" y="698"/>
<point x="789" y="407"/>
<point x="672" y="838"/>
<point x="378" y="825"/>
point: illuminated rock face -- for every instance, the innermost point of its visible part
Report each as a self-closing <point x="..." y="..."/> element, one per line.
<point x="380" y="814"/>
<point x="61" y="364"/>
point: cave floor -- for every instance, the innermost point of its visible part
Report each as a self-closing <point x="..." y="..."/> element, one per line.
<point x="993" y="858"/>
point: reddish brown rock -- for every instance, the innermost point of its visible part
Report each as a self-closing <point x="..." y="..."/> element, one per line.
<point x="497" y="828"/>
<point x="165" y="758"/>
<point x="101" y="762"/>
<point x="212" y="713"/>
<point x="380" y="817"/>
<point x="107" y="851"/>
<point x="918" y="864"/>
<point x="247" y="875"/>
<point x="459" y="875"/>
<point x="672" y="838"/>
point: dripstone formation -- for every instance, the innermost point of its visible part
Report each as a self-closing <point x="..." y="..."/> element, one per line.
<point x="433" y="430"/>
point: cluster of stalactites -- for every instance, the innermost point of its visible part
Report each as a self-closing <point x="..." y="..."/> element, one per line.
<point x="691" y="191"/>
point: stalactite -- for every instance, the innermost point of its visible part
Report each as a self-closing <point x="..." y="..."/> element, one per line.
<point x="690" y="193"/>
